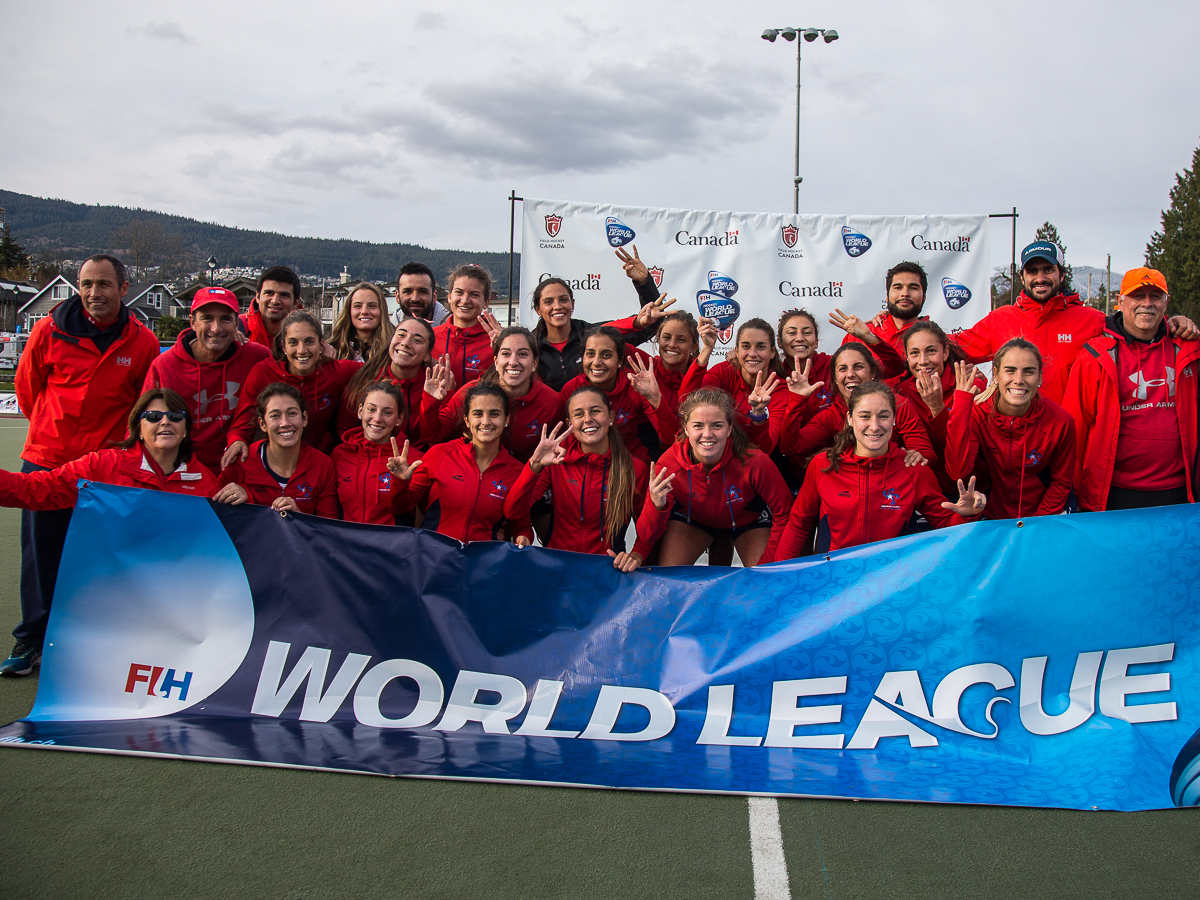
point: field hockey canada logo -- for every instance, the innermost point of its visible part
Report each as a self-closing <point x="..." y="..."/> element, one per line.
<point x="656" y="272"/>
<point x="618" y="233"/>
<point x="789" y="234"/>
<point x="856" y="244"/>
<point x="956" y="294"/>
<point x="718" y="303"/>
<point x="553" y="225"/>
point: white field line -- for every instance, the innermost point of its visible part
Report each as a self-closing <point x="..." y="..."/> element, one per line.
<point x="766" y="850"/>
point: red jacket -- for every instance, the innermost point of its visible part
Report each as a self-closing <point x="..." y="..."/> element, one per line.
<point x="541" y="406"/>
<point x="254" y="325"/>
<point x="631" y="409"/>
<point x="211" y="389"/>
<point x="821" y="371"/>
<point x="1029" y="459"/>
<point x="322" y="391"/>
<point x="58" y="488"/>
<point x="804" y="433"/>
<point x="470" y="349"/>
<point x="868" y="499"/>
<point x="364" y="484"/>
<point x="313" y="485"/>
<point x="580" y="494"/>
<point x="458" y="499"/>
<point x="1058" y="328"/>
<point x="413" y="390"/>
<point x="1093" y="401"/>
<point x="76" y="398"/>
<point x="722" y="497"/>
<point x="935" y="426"/>
<point x="728" y="378"/>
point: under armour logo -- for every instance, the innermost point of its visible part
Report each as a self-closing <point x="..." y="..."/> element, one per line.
<point x="1142" y="383"/>
<point x="230" y="397"/>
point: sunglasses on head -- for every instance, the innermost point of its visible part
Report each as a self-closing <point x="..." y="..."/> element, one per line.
<point x="154" y="416"/>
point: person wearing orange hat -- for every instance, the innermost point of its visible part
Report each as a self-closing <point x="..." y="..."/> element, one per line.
<point x="1132" y="393"/>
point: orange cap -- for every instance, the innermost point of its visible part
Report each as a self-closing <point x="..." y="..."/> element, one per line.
<point x="1143" y="277"/>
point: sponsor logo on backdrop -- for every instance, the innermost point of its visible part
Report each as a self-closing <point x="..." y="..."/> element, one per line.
<point x="829" y="289"/>
<point x="618" y="233"/>
<point x="956" y="294"/>
<point x="586" y="283"/>
<point x="958" y="245"/>
<point x="141" y="673"/>
<point x="553" y="223"/>
<point x="728" y="239"/>
<point x="789" y="234"/>
<point x="718" y="303"/>
<point x="856" y="244"/>
<point x="656" y="272"/>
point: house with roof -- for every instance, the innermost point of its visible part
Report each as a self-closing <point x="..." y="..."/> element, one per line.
<point x="149" y="301"/>
<point x="13" y="295"/>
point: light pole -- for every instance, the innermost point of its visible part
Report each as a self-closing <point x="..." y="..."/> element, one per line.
<point x="212" y="269"/>
<point x="810" y="35"/>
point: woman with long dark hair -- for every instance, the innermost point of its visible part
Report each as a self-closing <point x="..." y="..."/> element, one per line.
<point x="406" y="365"/>
<point x="860" y="490"/>
<point x="596" y="485"/>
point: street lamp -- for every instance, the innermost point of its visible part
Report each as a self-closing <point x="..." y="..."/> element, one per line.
<point x="212" y="269"/>
<point x="810" y="35"/>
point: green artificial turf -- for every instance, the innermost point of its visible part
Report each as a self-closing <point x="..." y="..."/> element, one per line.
<point x="94" y="826"/>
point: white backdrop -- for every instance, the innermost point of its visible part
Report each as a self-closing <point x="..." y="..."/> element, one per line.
<point x="741" y="265"/>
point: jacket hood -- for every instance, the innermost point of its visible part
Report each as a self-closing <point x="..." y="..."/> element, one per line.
<point x="1115" y="326"/>
<point x="70" y="317"/>
<point x="1058" y="301"/>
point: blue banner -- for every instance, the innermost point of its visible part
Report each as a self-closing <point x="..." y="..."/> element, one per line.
<point x="1050" y="662"/>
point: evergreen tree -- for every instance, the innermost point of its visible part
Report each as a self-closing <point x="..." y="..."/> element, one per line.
<point x="12" y="254"/>
<point x="1175" y="250"/>
<point x="1047" y="232"/>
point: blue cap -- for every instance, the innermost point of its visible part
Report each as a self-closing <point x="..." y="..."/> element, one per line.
<point x="1047" y="250"/>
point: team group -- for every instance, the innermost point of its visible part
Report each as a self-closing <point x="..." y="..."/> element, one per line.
<point x="443" y="420"/>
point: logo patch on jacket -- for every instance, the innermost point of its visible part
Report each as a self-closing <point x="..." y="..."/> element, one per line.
<point x="890" y="496"/>
<point x="1033" y="458"/>
<point x="499" y="490"/>
<point x="1065" y="338"/>
<point x="304" y="491"/>
<point x="124" y="360"/>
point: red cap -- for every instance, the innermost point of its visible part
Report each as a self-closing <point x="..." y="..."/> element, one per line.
<point x="221" y="295"/>
<point x="1143" y="277"/>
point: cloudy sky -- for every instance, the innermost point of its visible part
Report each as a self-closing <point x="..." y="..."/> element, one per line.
<point x="412" y="121"/>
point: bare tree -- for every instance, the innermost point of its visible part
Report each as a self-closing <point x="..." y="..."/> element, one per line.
<point x="138" y="240"/>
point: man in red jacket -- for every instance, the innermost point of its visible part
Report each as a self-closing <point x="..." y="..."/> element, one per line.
<point x="78" y="378"/>
<point x="1057" y="323"/>
<point x="1132" y="394"/>
<point x="278" y="295"/>
<point x="207" y="367"/>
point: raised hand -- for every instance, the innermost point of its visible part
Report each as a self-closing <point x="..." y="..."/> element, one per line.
<point x="398" y="463"/>
<point x="852" y="325"/>
<point x="653" y="312"/>
<point x="970" y="501"/>
<point x="626" y="562"/>
<point x="439" y="383"/>
<point x="233" y="494"/>
<point x="964" y="377"/>
<point x="763" y="389"/>
<point x="879" y="318"/>
<point x="708" y="332"/>
<point x="235" y="452"/>
<point x="798" y="383"/>
<point x="633" y="265"/>
<point x="660" y="486"/>
<point x="549" y="451"/>
<point x="929" y="386"/>
<point x="490" y="324"/>
<point x="643" y="380"/>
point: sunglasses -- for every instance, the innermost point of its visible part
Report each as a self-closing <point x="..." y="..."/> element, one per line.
<point x="153" y="416"/>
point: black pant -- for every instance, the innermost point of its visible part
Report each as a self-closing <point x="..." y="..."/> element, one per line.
<point x="42" y="537"/>
<point x="1124" y="498"/>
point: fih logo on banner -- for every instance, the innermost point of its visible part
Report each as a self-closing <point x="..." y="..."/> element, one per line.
<point x="960" y="244"/>
<point x="553" y="223"/>
<point x="956" y="294"/>
<point x="718" y="303"/>
<point x="656" y="272"/>
<point x="856" y="244"/>
<point x="619" y="234"/>
<point x="789" y="234"/>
